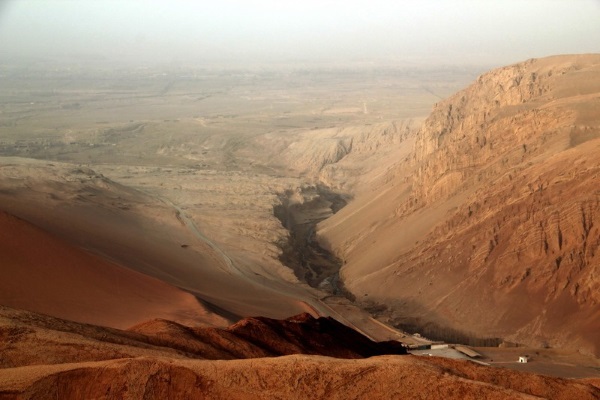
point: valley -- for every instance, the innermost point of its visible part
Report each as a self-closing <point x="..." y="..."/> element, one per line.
<point x="193" y="164"/>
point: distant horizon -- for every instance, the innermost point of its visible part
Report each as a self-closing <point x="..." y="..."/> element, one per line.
<point x="234" y="33"/>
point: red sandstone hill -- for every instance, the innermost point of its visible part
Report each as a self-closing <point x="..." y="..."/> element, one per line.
<point x="44" y="357"/>
<point x="41" y="272"/>
<point x="266" y="337"/>
<point x="23" y="333"/>
<point x="490" y="224"/>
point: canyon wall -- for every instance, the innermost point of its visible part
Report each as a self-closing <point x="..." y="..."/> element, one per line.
<point x="490" y="225"/>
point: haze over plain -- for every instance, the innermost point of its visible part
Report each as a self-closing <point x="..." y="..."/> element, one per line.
<point x="241" y="33"/>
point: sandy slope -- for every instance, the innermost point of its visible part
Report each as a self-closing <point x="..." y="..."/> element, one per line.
<point x="136" y="231"/>
<point x="45" y="274"/>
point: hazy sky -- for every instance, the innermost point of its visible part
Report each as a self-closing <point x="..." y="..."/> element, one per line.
<point x="263" y="31"/>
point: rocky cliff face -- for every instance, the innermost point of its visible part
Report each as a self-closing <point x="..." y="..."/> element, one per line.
<point x="494" y="224"/>
<point x="337" y="156"/>
<point x="507" y="118"/>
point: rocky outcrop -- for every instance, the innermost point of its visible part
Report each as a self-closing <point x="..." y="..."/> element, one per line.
<point x="265" y="337"/>
<point x="506" y="119"/>
<point x="320" y="153"/>
<point x="494" y="225"/>
<point x="304" y="334"/>
<point x="43" y="357"/>
<point x="70" y="342"/>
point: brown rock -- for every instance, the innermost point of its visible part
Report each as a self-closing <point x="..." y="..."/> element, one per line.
<point x="44" y="357"/>
<point x="490" y="227"/>
<point x="290" y="377"/>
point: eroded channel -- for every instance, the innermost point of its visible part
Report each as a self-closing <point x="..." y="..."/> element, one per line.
<point x="300" y="211"/>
